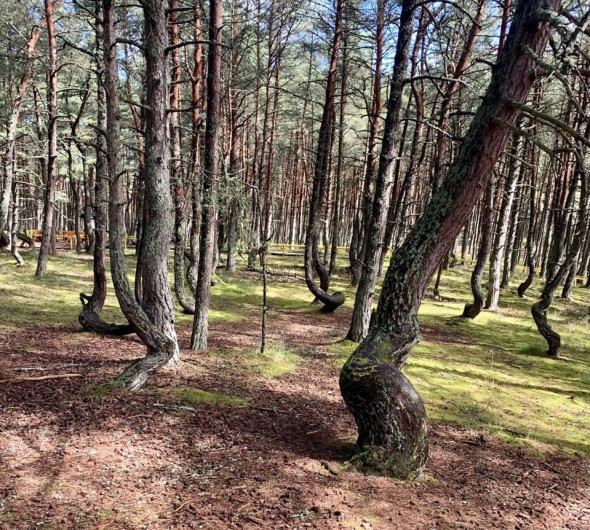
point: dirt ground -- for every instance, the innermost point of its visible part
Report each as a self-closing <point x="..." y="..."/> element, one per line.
<point x="71" y="459"/>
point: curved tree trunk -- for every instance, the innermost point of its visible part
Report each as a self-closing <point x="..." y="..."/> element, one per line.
<point x="530" y="256"/>
<point x="361" y="314"/>
<point x="154" y="319"/>
<point x="389" y="413"/>
<point x="312" y="259"/>
<point x="89" y="317"/>
<point x="474" y="309"/>
<point x="539" y="310"/>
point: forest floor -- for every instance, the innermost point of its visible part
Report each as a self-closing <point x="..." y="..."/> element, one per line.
<point x="234" y="439"/>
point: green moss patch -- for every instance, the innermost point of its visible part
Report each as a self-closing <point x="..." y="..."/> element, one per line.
<point x="195" y="397"/>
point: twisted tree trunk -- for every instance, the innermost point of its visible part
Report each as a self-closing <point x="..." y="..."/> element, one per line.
<point x="474" y="309"/>
<point x="153" y="320"/>
<point x="312" y="259"/>
<point x="389" y="413"/>
<point x="539" y="310"/>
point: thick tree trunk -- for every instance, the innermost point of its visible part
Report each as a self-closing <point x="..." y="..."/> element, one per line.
<point x="474" y="309"/>
<point x="388" y="411"/>
<point x="154" y="319"/>
<point x="361" y="314"/>
<point x="210" y="178"/>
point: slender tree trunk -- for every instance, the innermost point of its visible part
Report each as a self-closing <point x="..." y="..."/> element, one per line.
<point x="369" y="186"/>
<point x="472" y="310"/>
<point x="10" y="158"/>
<point x="176" y="174"/>
<point x="340" y="162"/>
<point x="48" y="236"/>
<point x="14" y="227"/>
<point x="311" y="259"/>
<point x="89" y="316"/>
<point x="389" y="413"/>
<point x="530" y="257"/>
<point x="539" y="309"/>
<point x="210" y="178"/>
<point x="361" y="314"/>
<point x="502" y="226"/>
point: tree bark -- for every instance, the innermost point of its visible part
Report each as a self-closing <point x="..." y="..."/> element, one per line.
<point x="474" y="309"/>
<point x="393" y="434"/>
<point x="311" y="258"/>
<point x="361" y="314"/>
<point x="210" y="178"/>
<point x="153" y="321"/>
<point x="49" y="198"/>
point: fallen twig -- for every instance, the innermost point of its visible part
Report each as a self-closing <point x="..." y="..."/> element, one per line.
<point x="40" y="378"/>
<point x="181" y="408"/>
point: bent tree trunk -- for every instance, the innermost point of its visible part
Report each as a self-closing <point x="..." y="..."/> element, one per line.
<point x="92" y="305"/>
<point x="474" y="309"/>
<point x="312" y="260"/>
<point x="392" y="429"/>
<point x="530" y="256"/>
<point x="539" y="309"/>
<point x="361" y="314"/>
<point x="154" y="319"/>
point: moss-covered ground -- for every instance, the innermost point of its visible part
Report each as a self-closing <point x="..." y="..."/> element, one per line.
<point x="489" y="375"/>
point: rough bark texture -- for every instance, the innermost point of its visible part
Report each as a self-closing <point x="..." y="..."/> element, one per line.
<point x="363" y="302"/>
<point x="210" y="178"/>
<point x="474" y="309"/>
<point x="155" y="324"/>
<point x="502" y="226"/>
<point x="388" y="412"/>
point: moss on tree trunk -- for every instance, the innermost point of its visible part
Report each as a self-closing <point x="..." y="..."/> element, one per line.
<point x="389" y="414"/>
